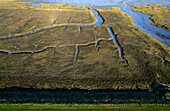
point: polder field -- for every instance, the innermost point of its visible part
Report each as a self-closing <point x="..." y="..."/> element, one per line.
<point x="80" y="58"/>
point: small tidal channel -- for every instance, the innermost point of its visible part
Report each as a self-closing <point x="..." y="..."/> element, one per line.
<point x="142" y="21"/>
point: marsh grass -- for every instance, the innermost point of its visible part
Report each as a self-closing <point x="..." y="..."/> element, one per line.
<point x="56" y="66"/>
<point x="20" y="21"/>
<point x="159" y="14"/>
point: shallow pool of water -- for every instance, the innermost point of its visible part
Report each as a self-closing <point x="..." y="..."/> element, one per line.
<point x="100" y="2"/>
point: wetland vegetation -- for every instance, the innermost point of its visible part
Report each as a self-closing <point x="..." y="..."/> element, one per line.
<point x="68" y="48"/>
<point x="159" y="13"/>
<point x="48" y="57"/>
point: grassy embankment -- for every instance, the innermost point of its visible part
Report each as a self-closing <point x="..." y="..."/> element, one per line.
<point x="159" y="14"/>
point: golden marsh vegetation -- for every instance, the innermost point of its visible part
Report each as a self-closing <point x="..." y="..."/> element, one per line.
<point x="47" y="59"/>
<point x="159" y="14"/>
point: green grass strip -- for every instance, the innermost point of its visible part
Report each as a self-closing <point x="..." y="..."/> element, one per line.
<point x="91" y="107"/>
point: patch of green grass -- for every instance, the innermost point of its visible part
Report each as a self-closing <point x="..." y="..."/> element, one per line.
<point x="167" y="96"/>
<point x="89" y="107"/>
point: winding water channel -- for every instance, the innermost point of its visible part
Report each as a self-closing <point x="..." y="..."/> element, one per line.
<point x="99" y="22"/>
<point x="142" y="21"/>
